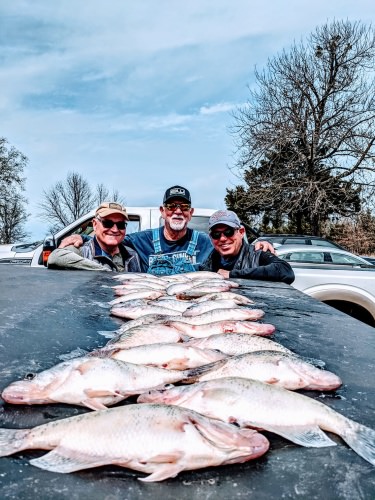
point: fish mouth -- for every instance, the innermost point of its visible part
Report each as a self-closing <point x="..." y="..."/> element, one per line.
<point x="20" y="394"/>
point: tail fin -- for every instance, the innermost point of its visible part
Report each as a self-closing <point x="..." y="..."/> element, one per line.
<point x="12" y="441"/>
<point x="361" y="439"/>
<point x="192" y="375"/>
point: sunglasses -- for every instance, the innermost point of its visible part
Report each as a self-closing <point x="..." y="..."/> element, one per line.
<point x="185" y="207"/>
<point x="108" y="223"/>
<point x="228" y="233"/>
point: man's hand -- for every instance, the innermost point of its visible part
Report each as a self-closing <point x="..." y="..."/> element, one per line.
<point x="72" y="240"/>
<point x="224" y="273"/>
<point x="266" y="246"/>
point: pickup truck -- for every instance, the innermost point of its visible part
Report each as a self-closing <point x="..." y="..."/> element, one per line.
<point x="140" y="218"/>
<point x="350" y="289"/>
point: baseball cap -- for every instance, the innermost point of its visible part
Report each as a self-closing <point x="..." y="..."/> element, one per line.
<point x="177" y="192"/>
<point x="109" y="208"/>
<point x="226" y="217"/>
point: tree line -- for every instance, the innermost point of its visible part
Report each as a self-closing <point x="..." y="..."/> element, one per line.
<point x="305" y="155"/>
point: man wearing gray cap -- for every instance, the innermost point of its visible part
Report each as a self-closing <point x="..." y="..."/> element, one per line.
<point x="104" y="252"/>
<point x="232" y="257"/>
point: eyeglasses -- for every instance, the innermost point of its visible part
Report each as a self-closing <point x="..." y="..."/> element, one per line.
<point x="185" y="207"/>
<point x="108" y="223"/>
<point x="228" y="233"/>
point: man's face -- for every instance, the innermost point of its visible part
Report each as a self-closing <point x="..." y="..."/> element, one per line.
<point x="109" y="237"/>
<point x="227" y="245"/>
<point x="176" y="213"/>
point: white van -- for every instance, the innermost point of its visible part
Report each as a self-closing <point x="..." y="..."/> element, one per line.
<point x="140" y="218"/>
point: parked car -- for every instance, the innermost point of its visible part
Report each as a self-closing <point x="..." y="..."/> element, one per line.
<point x="315" y="254"/>
<point x="333" y="276"/>
<point x="297" y="239"/>
<point x="140" y="218"/>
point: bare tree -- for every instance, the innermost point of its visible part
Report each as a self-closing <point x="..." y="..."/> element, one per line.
<point x="306" y="136"/>
<point x="13" y="214"/>
<point x="68" y="200"/>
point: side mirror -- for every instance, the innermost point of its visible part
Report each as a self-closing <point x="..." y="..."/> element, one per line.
<point x="49" y="246"/>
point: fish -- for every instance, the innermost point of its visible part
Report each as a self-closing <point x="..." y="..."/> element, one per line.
<point x="159" y="440"/>
<point x="234" y="314"/>
<point x="272" y="367"/>
<point x="174" y="356"/>
<point x="250" y="403"/>
<point x="134" y="311"/>
<point x="140" y="294"/>
<point x="124" y="289"/>
<point x="142" y="320"/>
<point x="236" y="297"/>
<point x="234" y="344"/>
<point x="206" y="286"/>
<point x="145" y="334"/>
<point x="94" y="382"/>
<point x="217" y="327"/>
<point x="209" y="305"/>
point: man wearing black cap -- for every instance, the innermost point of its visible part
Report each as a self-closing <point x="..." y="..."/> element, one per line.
<point x="173" y="248"/>
<point x="232" y="257"/>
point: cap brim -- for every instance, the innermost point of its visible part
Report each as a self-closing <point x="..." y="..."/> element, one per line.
<point x="225" y="223"/>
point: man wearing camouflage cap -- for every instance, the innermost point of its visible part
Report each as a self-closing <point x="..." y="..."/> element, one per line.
<point x="233" y="257"/>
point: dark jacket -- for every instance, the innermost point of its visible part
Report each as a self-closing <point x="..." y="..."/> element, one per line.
<point x="251" y="264"/>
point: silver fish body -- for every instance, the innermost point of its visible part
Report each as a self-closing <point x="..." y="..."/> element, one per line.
<point x="145" y="334"/>
<point x="209" y="305"/>
<point x="155" y="439"/>
<point x="93" y="382"/>
<point x="234" y="314"/>
<point x="250" y="403"/>
<point x="217" y="327"/>
<point x="234" y="344"/>
<point x="175" y="356"/>
<point x="272" y="367"/>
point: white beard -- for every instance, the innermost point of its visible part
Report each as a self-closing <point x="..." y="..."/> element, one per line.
<point x="177" y="225"/>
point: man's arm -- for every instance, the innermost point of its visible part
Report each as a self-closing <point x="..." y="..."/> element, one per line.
<point x="74" y="240"/>
<point x="271" y="268"/>
<point x="70" y="258"/>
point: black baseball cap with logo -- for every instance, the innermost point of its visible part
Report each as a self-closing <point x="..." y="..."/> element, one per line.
<point x="177" y="192"/>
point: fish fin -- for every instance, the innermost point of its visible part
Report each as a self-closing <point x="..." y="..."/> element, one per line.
<point x="304" y="435"/>
<point x="12" y="441"/>
<point x="190" y="376"/>
<point x="87" y="365"/>
<point x="163" y="472"/>
<point x="65" y="460"/>
<point x="361" y="439"/>
<point x="93" y="404"/>
<point x="272" y="380"/>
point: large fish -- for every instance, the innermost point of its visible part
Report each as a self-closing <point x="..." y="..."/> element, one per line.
<point x="250" y="403"/>
<point x="235" y="314"/>
<point x="137" y="294"/>
<point x="234" y="344"/>
<point x="239" y="299"/>
<point x="156" y="439"/>
<point x="145" y="334"/>
<point x="93" y="382"/>
<point x="130" y="310"/>
<point x="209" y="305"/>
<point x="272" y="367"/>
<point x="216" y="327"/>
<point x="174" y="356"/>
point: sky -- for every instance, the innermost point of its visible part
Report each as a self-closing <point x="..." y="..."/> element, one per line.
<point x="139" y="95"/>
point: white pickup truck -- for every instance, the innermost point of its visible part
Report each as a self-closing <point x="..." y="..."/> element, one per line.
<point x="348" y="289"/>
<point x="140" y="218"/>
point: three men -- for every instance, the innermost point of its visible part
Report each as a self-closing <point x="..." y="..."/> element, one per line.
<point x="232" y="257"/>
<point x="106" y="250"/>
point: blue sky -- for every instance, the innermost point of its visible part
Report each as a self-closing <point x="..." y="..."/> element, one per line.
<point x="138" y="94"/>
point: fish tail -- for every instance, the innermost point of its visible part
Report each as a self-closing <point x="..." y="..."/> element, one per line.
<point x="192" y="375"/>
<point x="361" y="439"/>
<point x="12" y="441"/>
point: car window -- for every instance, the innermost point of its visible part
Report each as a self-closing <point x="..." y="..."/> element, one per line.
<point x="322" y="243"/>
<point x="306" y="257"/>
<point x="344" y="259"/>
<point x="295" y="241"/>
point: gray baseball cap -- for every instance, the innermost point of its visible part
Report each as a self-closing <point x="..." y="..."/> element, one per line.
<point x="226" y="217"/>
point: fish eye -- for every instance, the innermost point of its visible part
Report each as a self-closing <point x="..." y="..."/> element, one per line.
<point x="29" y="376"/>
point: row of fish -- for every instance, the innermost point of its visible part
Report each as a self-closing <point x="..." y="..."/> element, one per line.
<point x="190" y="329"/>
